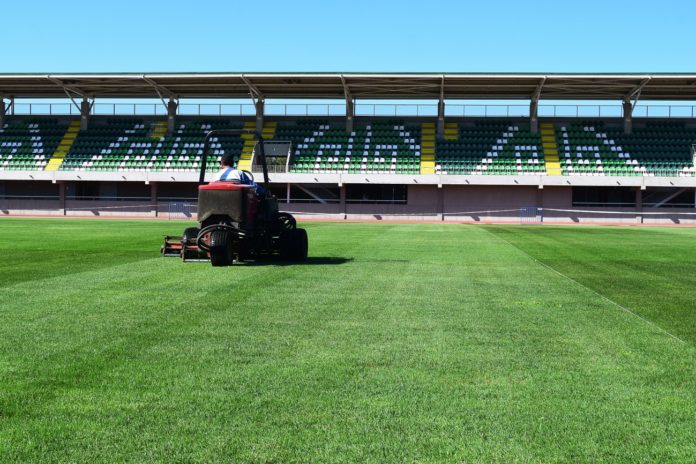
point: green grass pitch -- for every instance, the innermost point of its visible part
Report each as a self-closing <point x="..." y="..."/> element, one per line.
<point x="394" y="343"/>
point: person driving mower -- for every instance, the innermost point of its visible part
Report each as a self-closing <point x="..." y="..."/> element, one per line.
<point x="229" y="174"/>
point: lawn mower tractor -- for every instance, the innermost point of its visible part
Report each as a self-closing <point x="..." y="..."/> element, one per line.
<point x="237" y="221"/>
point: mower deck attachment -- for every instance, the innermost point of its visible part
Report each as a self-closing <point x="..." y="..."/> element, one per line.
<point x="173" y="247"/>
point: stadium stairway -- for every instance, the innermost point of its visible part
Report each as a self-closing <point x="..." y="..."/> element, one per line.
<point x="452" y="131"/>
<point x="267" y="132"/>
<point x="269" y="129"/>
<point x="159" y="130"/>
<point x="427" y="157"/>
<point x="248" y="147"/>
<point x="63" y="147"/>
<point x="550" y="147"/>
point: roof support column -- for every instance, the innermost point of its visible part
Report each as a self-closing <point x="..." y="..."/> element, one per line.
<point x="350" y="114"/>
<point x="172" y="106"/>
<point x="259" y="104"/>
<point x="259" y="101"/>
<point x="350" y="105"/>
<point x="3" y="111"/>
<point x="61" y="197"/>
<point x="534" y="116"/>
<point x="628" y="106"/>
<point x="627" y="115"/>
<point x="441" y="119"/>
<point x="534" y="107"/>
<point x="440" y="126"/>
<point x="154" y="199"/>
<point x="85" y="109"/>
<point x="342" y="201"/>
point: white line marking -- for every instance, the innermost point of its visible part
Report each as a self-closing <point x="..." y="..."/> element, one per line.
<point x="618" y="305"/>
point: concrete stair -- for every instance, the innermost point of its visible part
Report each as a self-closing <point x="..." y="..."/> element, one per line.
<point x="427" y="156"/>
<point x="267" y="132"/>
<point x="63" y="147"/>
<point x="159" y="130"/>
<point x="550" y="147"/>
<point x="452" y="131"/>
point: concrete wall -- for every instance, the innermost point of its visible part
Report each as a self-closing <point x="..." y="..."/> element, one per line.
<point x="483" y="203"/>
<point x="422" y="204"/>
<point x="30" y="207"/>
<point x="452" y="203"/>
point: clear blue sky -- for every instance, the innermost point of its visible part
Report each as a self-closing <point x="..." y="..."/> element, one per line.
<point x="352" y="35"/>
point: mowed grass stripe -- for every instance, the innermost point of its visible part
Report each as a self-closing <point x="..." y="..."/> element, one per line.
<point x="34" y="249"/>
<point x="595" y="292"/>
<point x="651" y="271"/>
<point x="413" y="342"/>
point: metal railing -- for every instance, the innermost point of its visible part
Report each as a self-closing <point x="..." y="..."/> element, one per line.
<point x="272" y="169"/>
<point x="630" y="205"/>
<point x="607" y="204"/>
<point x="29" y="197"/>
<point x="385" y="201"/>
<point x="110" y="198"/>
<point x="361" y="109"/>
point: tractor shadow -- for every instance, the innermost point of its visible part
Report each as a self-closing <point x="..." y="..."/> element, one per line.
<point x="310" y="261"/>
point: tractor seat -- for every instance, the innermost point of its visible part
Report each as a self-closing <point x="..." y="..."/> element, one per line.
<point x="224" y="185"/>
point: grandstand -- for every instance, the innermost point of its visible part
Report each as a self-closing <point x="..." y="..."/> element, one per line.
<point x="442" y="166"/>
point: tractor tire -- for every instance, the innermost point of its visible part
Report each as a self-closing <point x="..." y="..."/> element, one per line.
<point x="294" y="245"/>
<point x="190" y="235"/>
<point x="285" y="222"/>
<point x="221" y="251"/>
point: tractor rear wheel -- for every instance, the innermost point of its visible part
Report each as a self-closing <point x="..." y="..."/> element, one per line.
<point x="293" y="245"/>
<point x="190" y="235"/>
<point x="221" y="250"/>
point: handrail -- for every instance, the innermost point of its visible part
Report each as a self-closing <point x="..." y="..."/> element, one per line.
<point x="361" y="109"/>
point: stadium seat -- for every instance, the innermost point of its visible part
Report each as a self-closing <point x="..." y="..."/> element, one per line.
<point x="133" y="145"/>
<point x="28" y="144"/>
<point x="381" y="146"/>
<point x="654" y="148"/>
<point x="491" y="148"/>
<point x="385" y="147"/>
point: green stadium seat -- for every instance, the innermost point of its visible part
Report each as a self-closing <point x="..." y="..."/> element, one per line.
<point x="384" y="147"/>
<point x="129" y="145"/>
<point x="491" y="148"/>
<point x="28" y="144"/>
<point x="655" y="148"/>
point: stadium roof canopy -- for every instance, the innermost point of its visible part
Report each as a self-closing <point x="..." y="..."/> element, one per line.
<point x="394" y="86"/>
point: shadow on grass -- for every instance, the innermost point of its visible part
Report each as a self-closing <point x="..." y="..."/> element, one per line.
<point x="310" y="261"/>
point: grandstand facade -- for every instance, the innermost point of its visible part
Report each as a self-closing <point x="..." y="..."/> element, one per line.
<point x="534" y="167"/>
